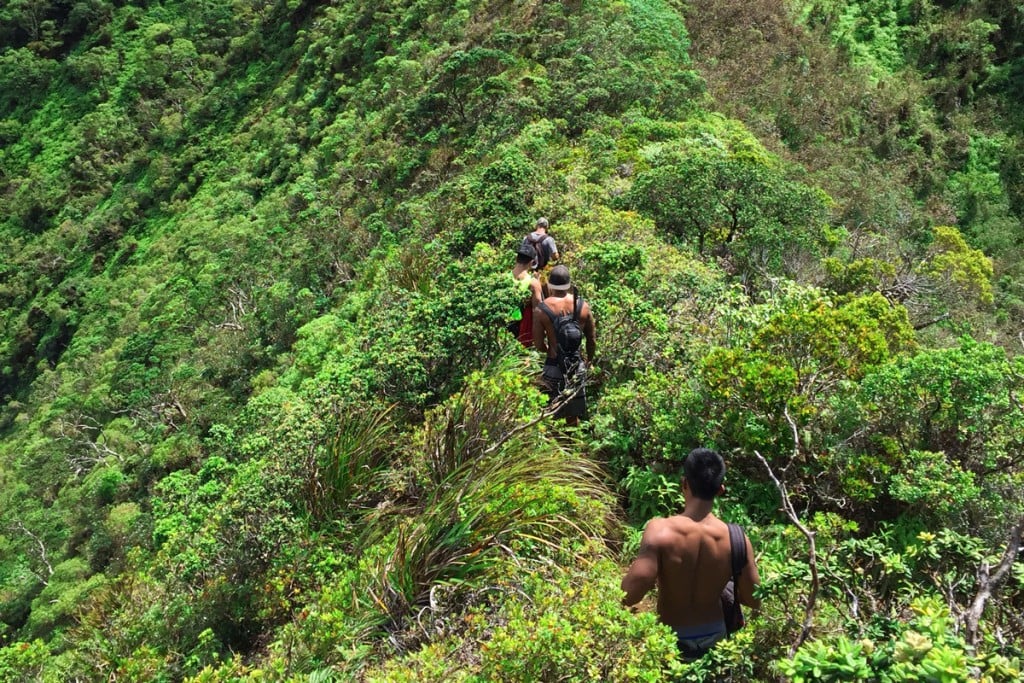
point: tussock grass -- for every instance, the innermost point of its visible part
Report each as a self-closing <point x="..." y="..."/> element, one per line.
<point x="494" y="486"/>
<point x="343" y="476"/>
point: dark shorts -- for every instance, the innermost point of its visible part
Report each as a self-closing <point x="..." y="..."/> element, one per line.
<point x="695" y="641"/>
<point x="558" y="388"/>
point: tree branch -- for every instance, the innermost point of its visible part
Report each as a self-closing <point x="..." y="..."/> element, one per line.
<point x="989" y="583"/>
<point x="812" y="553"/>
<point x="929" y="323"/>
<point x="548" y="411"/>
<point x="42" y="552"/>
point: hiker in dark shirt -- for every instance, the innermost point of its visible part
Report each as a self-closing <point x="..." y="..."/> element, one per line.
<point x="562" y="322"/>
<point x="688" y="556"/>
<point x="544" y="243"/>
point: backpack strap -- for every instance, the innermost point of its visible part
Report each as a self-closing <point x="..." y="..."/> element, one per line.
<point x="738" y="553"/>
<point x="738" y="549"/>
<point x="537" y="242"/>
<point x="577" y="306"/>
<point x="547" y="311"/>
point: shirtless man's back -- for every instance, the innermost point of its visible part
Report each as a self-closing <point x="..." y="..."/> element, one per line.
<point x="689" y="558"/>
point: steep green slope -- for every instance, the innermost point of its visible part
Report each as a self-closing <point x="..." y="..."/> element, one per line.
<point x="261" y="421"/>
<point x="196" y="184"/>
<point x="905" y="112"/>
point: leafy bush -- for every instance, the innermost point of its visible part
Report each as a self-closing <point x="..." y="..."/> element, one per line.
<point x="546" y="625"/>
<point x="23" y="661"/>
<point x="423" y="330"/>
<point x="731" y="200"/>
<point x="651" y="494"/>
<point x="925" y="648"/>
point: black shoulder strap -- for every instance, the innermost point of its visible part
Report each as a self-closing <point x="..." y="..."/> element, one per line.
<point x="577" y="308"/>
<point x="547" y="311"/>
<point x="738" y="550"/>
<point x="738" y="553"/>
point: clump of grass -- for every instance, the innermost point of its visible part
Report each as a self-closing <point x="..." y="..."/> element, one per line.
<point x="495" y="485"/>
<point x="343" y="475"/>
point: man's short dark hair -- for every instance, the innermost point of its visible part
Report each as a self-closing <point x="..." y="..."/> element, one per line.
<point x="526" y="254"/>
<point x="704" y="470"/>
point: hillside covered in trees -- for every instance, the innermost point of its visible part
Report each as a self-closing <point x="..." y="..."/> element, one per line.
<point x="261" y="420"/>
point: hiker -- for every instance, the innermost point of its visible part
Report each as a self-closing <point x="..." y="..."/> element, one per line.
<point x="561" y="322"/>
<point x="544" y="243"/>
<point x="521" y="317"/>
<point x="689" y="557"/>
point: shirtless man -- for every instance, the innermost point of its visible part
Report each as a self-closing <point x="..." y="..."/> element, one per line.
<point x="688" y="557"/>
<point x="563" y="370"/>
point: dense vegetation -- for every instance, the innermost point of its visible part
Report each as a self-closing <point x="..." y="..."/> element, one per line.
<point x="261" y="422"/>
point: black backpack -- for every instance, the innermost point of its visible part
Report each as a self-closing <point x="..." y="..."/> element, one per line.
<point x="568" y="333"/>
<point x="537" y="242"/>
<point x="730" y="603"/>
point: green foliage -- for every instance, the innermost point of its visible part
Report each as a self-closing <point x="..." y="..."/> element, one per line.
<point x="872" y="33"/>
<point x="888" y="567"/>
<point x="954" y="50"/>
<point x="860" y="275"/>
<point x="579" y="631"/>
<point x="933" y="484"/>
<point x="965" y="271"/>
<point x="56" y="606"/>
<point x="979" y="192"/>
<point x="651" y="494"/>
<point x="959" y="395"/>
<point x="256" y="256"/>
<point x="494" y="486"/>
<point x="649" y="420"/>
<point x="607" y="56"/>
<point x="23" y="661"/>
<point x="23" y="73"/>
<point x="425" y="328"/>
<point x="218" y="532"/>
<point x="926" y="648"/>
<point x="345" y="470"/>
<point x="840" y="660"/>
<point x="731" y="200"/>
<point x="501" y="197"/>
<point x="809" y="351"/>
<point x="551" y="624"/>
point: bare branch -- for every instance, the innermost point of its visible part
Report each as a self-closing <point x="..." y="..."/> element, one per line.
<point x="571" y="390"/>
<point x="42" y="552"/>
<point x="240" y="303"/>
<point x="929" y="323"/>
<point x="989" y="583"/>
<point x="812" y="555"/>
<point x="546" y="413"/>
<point x="82" y="430"/>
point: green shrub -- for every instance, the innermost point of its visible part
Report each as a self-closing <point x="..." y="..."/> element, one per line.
<point x="552" y="624"/>
<point x="491" y="486"/>
<point x="23" y="662"/>
<point x="651" y="494"/>
<point x="925" y="648"/>
<point x="577" y="630"/>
